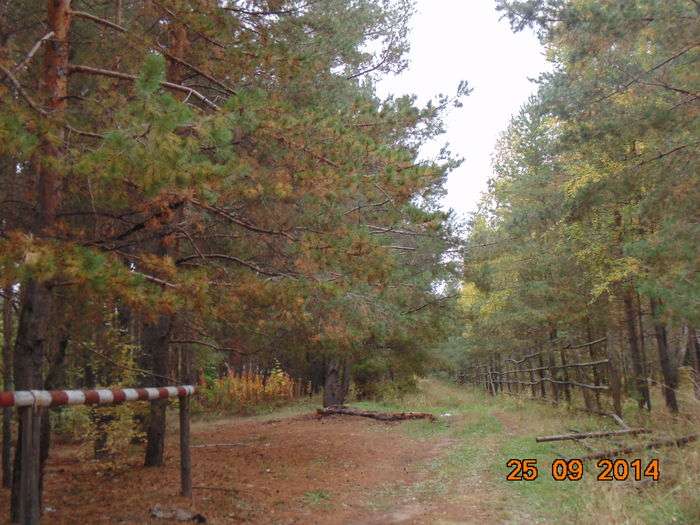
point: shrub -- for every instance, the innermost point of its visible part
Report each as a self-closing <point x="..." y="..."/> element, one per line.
<point x="247" y="392"/>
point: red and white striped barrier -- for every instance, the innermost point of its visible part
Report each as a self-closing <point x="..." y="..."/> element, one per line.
<point x="52" y="398"/>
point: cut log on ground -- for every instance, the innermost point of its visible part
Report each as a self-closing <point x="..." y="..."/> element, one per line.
<point x="219" y="445"/>
<point x="679" y="442"/>
<point x="176" y="514"/>
<point x="381" y="416"/>
<point x="589" y="435"/>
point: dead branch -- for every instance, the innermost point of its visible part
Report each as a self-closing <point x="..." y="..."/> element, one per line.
<point x="76" y="68"/>
<point x="679" y="442"/>
<point x="381" y="416"/>
<point x="587" y="435"/>
<point x="32" y="52"/>
<point x="220" y="445"/>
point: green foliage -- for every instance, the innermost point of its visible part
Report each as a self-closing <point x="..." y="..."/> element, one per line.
<point x="235" y="172"/>
<point x="152" y="74"/>
<point x="596" y="179"/>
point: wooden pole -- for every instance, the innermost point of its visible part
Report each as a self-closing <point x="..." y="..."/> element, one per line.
<point x="543" y="389"/>
<point x="28" y="511"/>
<point x="581" y="375"/>
<point x="551" y="358"/>
<point x="185" y="452"/>
<point x="532" y="377"/>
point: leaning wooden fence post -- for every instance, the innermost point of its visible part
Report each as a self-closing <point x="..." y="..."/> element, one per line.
<point x="596" y="373"/>
<point x="540" y="361"/>
<point x="533" y="382"/>
<point x="492" y="385"/>
<point x="551" y="368"/>
<point x="581" y="375"/>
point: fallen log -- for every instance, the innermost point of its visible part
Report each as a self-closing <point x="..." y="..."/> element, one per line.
<point x="678" y="442"/>
<point x="176" y="514"/>
<point x="588" y="435"/>
<point x="219" y="445"/>
<point x="381" y="416"/>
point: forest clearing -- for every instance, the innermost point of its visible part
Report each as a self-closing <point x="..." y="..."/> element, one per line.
<point x="350" y="261"/>
<point x="288" y="466"/>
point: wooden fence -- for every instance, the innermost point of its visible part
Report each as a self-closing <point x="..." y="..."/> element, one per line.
<point x="29" y="403"/>
<point x="582" y="375"/>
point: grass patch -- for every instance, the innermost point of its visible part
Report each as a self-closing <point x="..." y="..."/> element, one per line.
<point x="485" y="432"/>
<point x="317" y="498"/>
<point x="545" y="497"/>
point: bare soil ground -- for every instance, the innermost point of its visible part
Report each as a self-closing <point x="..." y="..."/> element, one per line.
<point x="290" y="470"/>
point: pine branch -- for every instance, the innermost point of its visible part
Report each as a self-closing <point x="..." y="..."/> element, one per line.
<point x="165" y="52"/>
<point x="102" y="21"/>
<point x="75" y="68"/>
<point x="223" y="213"/>
<point x="429" y="303"/>
<point x="226" y="257"/>
<point x="32" y="104"/>
<point x="627" y="84"/>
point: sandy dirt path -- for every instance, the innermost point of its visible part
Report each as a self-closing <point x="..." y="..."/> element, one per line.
<point x="298" y="469"/>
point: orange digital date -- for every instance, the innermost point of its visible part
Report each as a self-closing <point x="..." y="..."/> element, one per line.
<point x="572" y="470"/>
<point x="522" y="470"/>
<point x="621" y="469"/>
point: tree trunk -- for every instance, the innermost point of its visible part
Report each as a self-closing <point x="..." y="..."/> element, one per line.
<point x="565" y="376"/>
<point x="155" y="344"/>
<point x="37" y="298"/>
<point x="30" y="347"/>
<point x="156" y="335"/>
<point x="636" y="352"/>
<point x="694" y="350"/>
<point x="337" y="382"/>
<point x="614" y="372"/>
<point x="669" y="370"/>
<point x="8" y="384"/>
<point x="592" y="355"/>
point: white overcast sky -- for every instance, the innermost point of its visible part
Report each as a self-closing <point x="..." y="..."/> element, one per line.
<point x="453" y="40"/>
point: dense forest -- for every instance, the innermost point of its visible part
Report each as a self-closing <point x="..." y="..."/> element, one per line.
<point x="589" y="228"/>
<point x="212" y="192"/>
